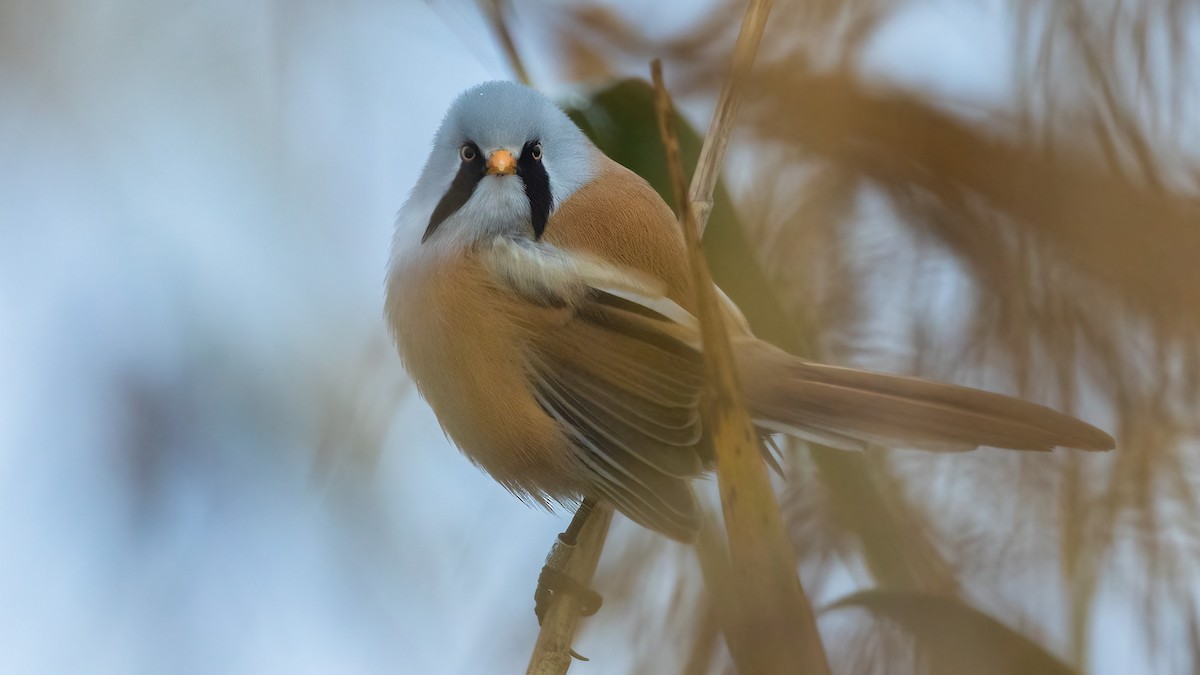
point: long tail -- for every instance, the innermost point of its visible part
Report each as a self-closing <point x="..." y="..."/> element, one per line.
<point x="849" y="408"/>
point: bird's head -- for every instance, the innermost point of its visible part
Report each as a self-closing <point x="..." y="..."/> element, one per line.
<point x="502" y="160"/>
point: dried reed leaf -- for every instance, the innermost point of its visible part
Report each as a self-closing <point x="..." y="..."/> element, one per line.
<point x="953" y="637"/>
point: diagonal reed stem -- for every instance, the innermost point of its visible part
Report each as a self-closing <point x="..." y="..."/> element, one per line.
<point x="776" y="628"/>
<point x="716" y="141"/>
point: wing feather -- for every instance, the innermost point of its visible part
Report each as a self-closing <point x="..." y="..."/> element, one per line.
<point x="622" y="375"/>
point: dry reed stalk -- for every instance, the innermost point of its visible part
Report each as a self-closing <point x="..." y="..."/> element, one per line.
<point x="493" y="12"/>
<point x="552" y="652"/>
<point x="775" y="630"/>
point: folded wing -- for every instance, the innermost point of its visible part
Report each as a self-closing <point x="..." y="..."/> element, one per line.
<point x="623" y="377"/>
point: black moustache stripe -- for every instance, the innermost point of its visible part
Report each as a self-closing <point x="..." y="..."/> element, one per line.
<point x="468" y="176"/>
<point x="537" y="188"/>
<point x="533" y="175"/>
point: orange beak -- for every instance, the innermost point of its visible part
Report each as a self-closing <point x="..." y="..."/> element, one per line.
<point x="501" y="163"/>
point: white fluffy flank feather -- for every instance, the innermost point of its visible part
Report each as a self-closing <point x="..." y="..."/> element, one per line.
<point x="550" y="275"/>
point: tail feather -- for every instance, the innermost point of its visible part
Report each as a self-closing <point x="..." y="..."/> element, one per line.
<point x="846" y="408"/>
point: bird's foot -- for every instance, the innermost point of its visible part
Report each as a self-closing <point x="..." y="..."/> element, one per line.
<point x="555" y="580"/>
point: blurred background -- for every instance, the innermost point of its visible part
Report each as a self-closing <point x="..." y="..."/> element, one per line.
<point x="212" y="462"/>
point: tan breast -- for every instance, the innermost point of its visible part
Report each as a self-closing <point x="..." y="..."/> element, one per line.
<point x="469" y="364"/>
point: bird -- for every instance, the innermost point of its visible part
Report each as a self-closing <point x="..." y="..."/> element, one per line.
<point x="539" y="297"/>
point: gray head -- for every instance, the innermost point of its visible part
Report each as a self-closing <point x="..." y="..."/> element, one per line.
<point x="503" y="159"/>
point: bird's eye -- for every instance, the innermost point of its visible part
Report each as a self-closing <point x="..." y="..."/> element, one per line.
<point x="467" y="152"/>
<point x="536" y="152"/>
